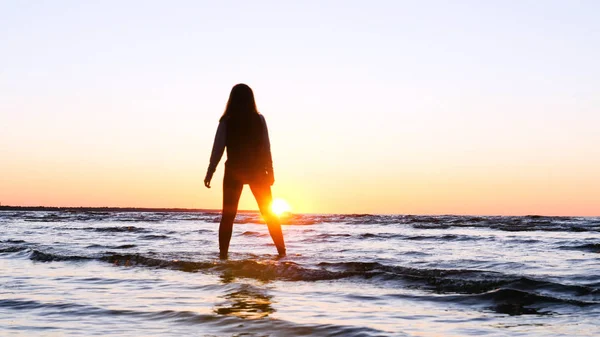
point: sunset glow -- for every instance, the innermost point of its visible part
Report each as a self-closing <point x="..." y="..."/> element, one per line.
<point x="280" y="207"/>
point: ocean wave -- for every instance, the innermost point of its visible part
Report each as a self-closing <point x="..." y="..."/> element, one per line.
<point x="325" y="237"/>
<point x="256" y="234"/>
<point x="387" y="236"/>
<point x="503" y="300"/>
<point x="503" y="223"/>
<point x="141" y="260"/>
<point x="12" y="249"/>
<point x="12" y="241"/>
<point x="255" y="269"/>
<point x="518" y="302"/>
<point x="459" y="281"/>
<point x="153" y="237"/>
<point x="40" y="256"/>
<point x="522" y="297"/>
<point x="47" y="218"/>
<point x="226" y="321"/>
<point x="507" y="223"/>
<point x="120" y="229"/>
<point x="332" y="235"/>
<point x="588" y="247"/>
<point x="445" y="237"/>
<point x="496" y="291"/>
<point x="125" y="246"/>
<point x="464" y="281"/>
<point x="380" y="236"/>
<point x="79" y="310"/>
<point x="111" y="229"/>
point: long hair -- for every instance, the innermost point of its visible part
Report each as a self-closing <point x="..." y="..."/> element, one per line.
<point x="241" y="103"/>
<point x="245" y="132"/>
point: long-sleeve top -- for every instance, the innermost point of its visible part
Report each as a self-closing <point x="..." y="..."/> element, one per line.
<point x="221" y="140"/>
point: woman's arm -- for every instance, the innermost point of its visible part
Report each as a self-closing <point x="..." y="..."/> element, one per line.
<point x="269" y="158"/>
<point x="217" y="152"/>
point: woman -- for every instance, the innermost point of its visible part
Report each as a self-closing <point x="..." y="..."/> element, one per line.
<point x="243" y="131"/>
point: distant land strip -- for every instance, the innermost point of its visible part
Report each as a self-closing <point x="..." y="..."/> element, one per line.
<point x="111" y="209"/>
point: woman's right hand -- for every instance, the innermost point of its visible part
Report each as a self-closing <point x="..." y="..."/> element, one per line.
<point x="207" y="180"/>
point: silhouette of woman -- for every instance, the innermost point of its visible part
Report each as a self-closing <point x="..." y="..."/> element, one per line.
<point x="243" y="131"/>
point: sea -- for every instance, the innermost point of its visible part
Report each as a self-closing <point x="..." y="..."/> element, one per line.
<point x="71" y="272"/>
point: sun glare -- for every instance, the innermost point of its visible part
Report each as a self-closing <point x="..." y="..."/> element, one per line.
<point x="280" y="206"/>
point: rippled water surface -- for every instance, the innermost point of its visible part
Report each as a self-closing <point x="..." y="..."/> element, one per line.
<point x="157" y="273"/>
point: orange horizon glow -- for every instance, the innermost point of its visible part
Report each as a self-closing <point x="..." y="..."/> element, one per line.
<point x="479" y="191"/>
<point x="456" y="195"/>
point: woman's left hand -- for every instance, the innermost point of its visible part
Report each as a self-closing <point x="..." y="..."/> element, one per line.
<point x="270" y="177"/>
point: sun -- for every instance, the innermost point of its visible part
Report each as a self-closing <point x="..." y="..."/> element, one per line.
<point x="280" y="207"/>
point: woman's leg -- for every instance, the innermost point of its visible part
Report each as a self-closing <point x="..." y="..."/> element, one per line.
<point x="262" y="193"/>
<point x="232" y="190"/>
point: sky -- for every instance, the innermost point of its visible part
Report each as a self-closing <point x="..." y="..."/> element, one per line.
<point x="392" y="107"/>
